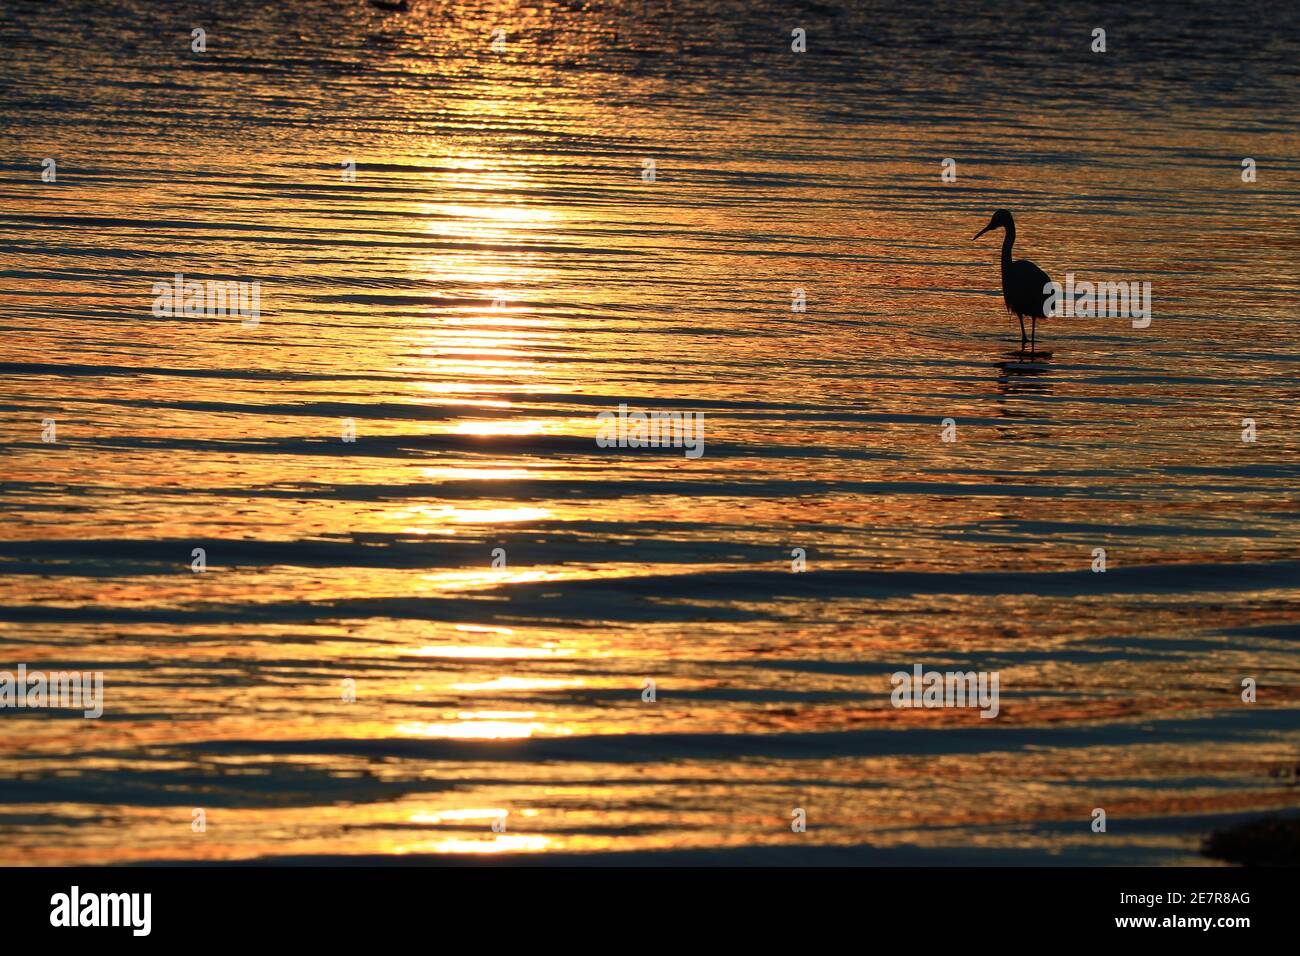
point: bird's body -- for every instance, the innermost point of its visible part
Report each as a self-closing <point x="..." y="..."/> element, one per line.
<point x="1022" y="288"/>
<point x="1024" y="285"/>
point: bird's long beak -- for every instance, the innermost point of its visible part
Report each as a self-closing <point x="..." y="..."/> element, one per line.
<point x="982" y="231"/>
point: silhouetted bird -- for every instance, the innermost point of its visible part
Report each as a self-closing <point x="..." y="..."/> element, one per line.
<point x="1024" y="285"/>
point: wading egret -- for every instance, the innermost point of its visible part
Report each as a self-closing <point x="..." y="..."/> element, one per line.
<point x="1024" y="285"/>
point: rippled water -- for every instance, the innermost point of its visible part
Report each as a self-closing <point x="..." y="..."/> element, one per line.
<point x="497" y="275"/>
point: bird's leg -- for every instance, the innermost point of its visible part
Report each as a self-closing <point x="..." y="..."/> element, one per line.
<point x="1033" y="333"/>
<point x="1023" y="338"/>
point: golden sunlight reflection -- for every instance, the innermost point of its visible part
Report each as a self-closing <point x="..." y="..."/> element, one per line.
<point x="442" y="514"/>
<point x="485" y="652"/>
<point x="461" y="388"/>
<point x="491" y="579"/>
<point x="506" y="315"/>
<point x="520" y="683"/>
<point x="442" y="816"/>
<point x="483" y="368"/>
<point x="496" y="843"/>
<point x="455" y="473"/>
<point x="505" y="428"/>
<point x="478" y="729"/>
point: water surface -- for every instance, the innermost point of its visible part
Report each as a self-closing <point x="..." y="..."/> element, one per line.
<point x="500" y="273"/>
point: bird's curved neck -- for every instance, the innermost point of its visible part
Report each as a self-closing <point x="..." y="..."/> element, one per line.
<point x="1008" y="240"/>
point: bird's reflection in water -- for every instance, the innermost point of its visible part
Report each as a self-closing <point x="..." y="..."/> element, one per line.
<point x="1022" y="372"/>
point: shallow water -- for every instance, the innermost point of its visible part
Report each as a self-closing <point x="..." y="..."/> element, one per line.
<point x="499" y="274"/>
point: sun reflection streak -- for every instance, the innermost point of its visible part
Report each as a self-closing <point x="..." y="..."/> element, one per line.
<point x="497" y="843"/>
<point x="476" y="729"/>
<point x="486" y="652"/>
<point x="457" y="473"/>
<point x="521" y="683"/>
<point x="443" y="514"/>
<point x="442" y="816"/>
<point x="503" y="428"/>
